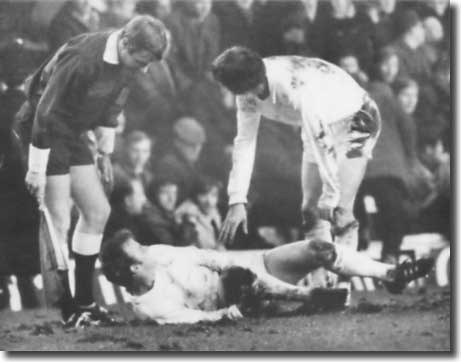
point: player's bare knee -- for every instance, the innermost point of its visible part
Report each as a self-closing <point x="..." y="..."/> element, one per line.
<point x="323" y="252"/>
<point x="61" y="220"/>
<point x="97" y="217"/>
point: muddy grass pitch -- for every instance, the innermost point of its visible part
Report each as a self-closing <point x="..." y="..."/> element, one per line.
<point x="414" y="321"/>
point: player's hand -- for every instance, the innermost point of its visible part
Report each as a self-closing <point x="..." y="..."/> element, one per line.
<point x="236" y="216"/>
<point x="233" y="313"/>
<point x="105" y="170"/>
<point x="35" y="183"/>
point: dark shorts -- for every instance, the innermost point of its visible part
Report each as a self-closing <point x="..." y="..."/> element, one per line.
<point x="67" y="152"/>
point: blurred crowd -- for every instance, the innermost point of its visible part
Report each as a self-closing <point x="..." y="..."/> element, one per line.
<point x="174" y="140"/>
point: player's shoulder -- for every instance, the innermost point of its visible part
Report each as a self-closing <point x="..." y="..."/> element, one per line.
<point x="297" y="63"/>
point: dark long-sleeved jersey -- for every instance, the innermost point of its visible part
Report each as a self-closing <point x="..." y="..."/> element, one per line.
<point x="78" y="89"/>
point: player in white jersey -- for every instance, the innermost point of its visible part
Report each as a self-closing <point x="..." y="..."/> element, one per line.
<point x="339" y="126"/>
<point x="188" y="285"/>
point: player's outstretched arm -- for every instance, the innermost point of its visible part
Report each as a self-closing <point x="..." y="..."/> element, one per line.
<point x="189" y="316"/>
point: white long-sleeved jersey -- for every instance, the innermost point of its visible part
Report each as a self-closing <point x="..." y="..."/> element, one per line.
<point x="188" y="286"/>
<point x="307" y="92"/>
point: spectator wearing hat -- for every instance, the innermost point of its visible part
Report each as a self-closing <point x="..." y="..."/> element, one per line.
<point x="135" y="162"/>
<point x="413" y="61"/>
<point x="181" y="163"/>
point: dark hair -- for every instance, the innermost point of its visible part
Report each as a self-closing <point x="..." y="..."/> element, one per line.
<point x="121" y="190"/>
<point x="115" y="261"/>
<point x="239" y="69"/>
<point x="145" y="32"/>
<point x="204" y="185"/>
<point x="157" y="184"/>
<point x="402" y="83"/>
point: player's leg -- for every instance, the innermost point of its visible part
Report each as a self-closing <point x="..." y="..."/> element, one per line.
<point x="58" y="203"/>
<point x="289" y="262"/>
<point x="318" y="198"/>
<point x="315" y="224"/>
<point x="94" y="210"/>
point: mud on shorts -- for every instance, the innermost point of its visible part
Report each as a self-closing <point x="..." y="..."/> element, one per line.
<point x="337" y="134"/>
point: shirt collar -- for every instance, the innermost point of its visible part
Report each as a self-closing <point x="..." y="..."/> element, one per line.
<point x="111" y="51"/>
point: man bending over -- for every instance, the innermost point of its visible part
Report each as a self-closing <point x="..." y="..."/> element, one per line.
<point x="189" y="285"/>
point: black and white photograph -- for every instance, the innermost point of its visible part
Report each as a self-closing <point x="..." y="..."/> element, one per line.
<point x="226" y="176"/>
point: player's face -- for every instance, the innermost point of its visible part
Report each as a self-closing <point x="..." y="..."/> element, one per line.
<point x="408" y="99"/>
<point x="139" y="154"/>
<point x="208" y="201"/>
<point x="389" y="68"/>
<point x="138" y="59"/>
<point x="167" y="197"/>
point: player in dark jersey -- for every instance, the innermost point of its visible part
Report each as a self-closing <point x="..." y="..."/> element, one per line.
<point x="82" y="88"/>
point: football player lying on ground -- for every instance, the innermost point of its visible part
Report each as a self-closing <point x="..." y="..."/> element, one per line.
<point x="189" y="285"/>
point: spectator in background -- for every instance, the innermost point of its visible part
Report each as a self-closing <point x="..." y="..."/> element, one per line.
<point x="117" y="13"/>
<point x="349" y="62"/>
<point x="347" y="30"/>
<point x="407" y="93"/>
<point x="164" y="198"/>
<point x="435" y="209"/>
<point x="441" y="10"/>
<point x="159" y="9"/>
<point x="434" y="36"/>
<point x="214" y="107"/>
<point x="202" y="212"/>
<point x="237" y="20"/>
<point x="386" y="68"/>
<point x="409" y="48"/>
<point x="75" y="17"/>
<point x="277" y="161"/>
<point x="19" y="219"/>
<point x="387" y="177"/>
<point x="195" y="35"/>
<point x="135" y="164"/>
<point x="180" y="164"/>
<point x="381" y="16"/>
<point x="151" y="222"/>
<point x="154" y="102"/>
<point x="314" y="16"/>
<point x="294" y="38"/>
